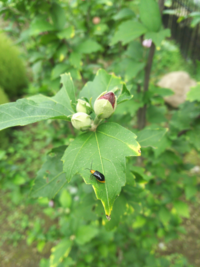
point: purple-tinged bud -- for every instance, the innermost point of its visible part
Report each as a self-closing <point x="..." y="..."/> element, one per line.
<point x="147" y="43"/>
<point x="105" y="105"/>
<point x="81" y="121"/>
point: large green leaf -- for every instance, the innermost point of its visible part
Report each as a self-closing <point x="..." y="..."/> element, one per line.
<point x="105" y="82"/>
<point x="106" y="149"/>
<point x="194" y="93"/>
<point x="37" y="108"/>
<point x="51" y="178"/>
<point x="128" y="31"/>
<point x="150" y="15"/>
<point x="150" y="137"/>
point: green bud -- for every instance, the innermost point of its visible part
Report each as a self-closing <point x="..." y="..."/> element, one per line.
<point x="105" y="105"/>
<point x="81" y="121"/>
<point x="83" y="106"/>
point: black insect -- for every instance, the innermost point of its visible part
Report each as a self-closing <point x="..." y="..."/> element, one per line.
<point x="98" y="175"/>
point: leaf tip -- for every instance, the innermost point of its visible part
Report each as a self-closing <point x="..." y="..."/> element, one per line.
<point x="108" y="217"/>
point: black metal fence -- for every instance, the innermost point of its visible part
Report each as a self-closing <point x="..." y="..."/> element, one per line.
<point x="187" y="37"/>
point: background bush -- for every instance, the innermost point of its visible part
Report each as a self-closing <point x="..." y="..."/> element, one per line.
<point x="13" y="78"/>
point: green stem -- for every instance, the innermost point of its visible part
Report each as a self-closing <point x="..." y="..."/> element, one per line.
<point x="95" y="123"/>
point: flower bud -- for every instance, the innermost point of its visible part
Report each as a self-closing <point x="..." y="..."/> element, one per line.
<point x="83" y="106"/>
<point x="81" y="121"/>
<point x="147" y="43"/>
<point x="96" y="20"/>
<point x="105" y="105"/>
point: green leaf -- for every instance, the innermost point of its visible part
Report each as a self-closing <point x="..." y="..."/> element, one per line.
<point x="150" y="15"/>
<point x="164" y="215"/>
<point x="190" y="191"/>
<point x="133" y="68"/>
<point x="58" y="16"/>
<point x="150" y="137"/>
<point x="88" y="46"/>
<point x="182" y="209"/>
<point x="40" y="24"/>
<point x="158" y="37"/>
<point x="135" y="51"/>
<point x="119" y="209"/>
<point x="194" y="136"/>
<point x="102" y="82"/>
<point x="85" y="233"/>
<point x="75" y="60"/>
<point x="194" y="93"/>
<point x="156" y="114"/>
<point x="69" y="90"/>
<point x="124" y="96"/>
<point x="124" y="13"/>
<point x="50" y="178"/>
<point x="60" y="252"/>
<point x="37" y="108"/>
<point x="106" y="149"/>
<point x="67" y="33"/>
<point x="65" y="199"/>
<point x="128" y="31"/>
<point x="58" y="70"/>
<point x="162" y="145"/>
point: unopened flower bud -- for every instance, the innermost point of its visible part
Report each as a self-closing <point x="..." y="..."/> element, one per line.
<point x="83" y="106"/>
<point x="81" y="121"/>
<point x="147" y="43"/>
<point x="105" y="105"/>
<point x="96" y="20"/>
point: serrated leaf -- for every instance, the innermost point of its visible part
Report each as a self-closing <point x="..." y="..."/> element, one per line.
<point x="58" y="16"/>
<point x="150" y="15"/>
<point x="50" y="178"/>
<point x="150" y="137"/>
<point x="60" y="252"/>
<point x="37" y="108"/>
<point x="102" y="82"/>
<point x="85" y="233"/>
<point x="40" y="24"/>
<point x="88" y="46"/>
<point x="158" y="37"/>
<point x="194" y="93"/>
<point x="128" y="31"/>
<point x="106" y="149"/>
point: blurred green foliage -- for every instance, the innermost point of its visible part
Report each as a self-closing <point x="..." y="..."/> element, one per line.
<point x="75" y="37"/>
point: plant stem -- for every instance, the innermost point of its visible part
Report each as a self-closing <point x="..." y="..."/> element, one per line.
<point x="142" y="111"/>
<point x="95" y="124"/>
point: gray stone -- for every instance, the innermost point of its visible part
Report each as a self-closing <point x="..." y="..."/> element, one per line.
<point x="180" y="83"/>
